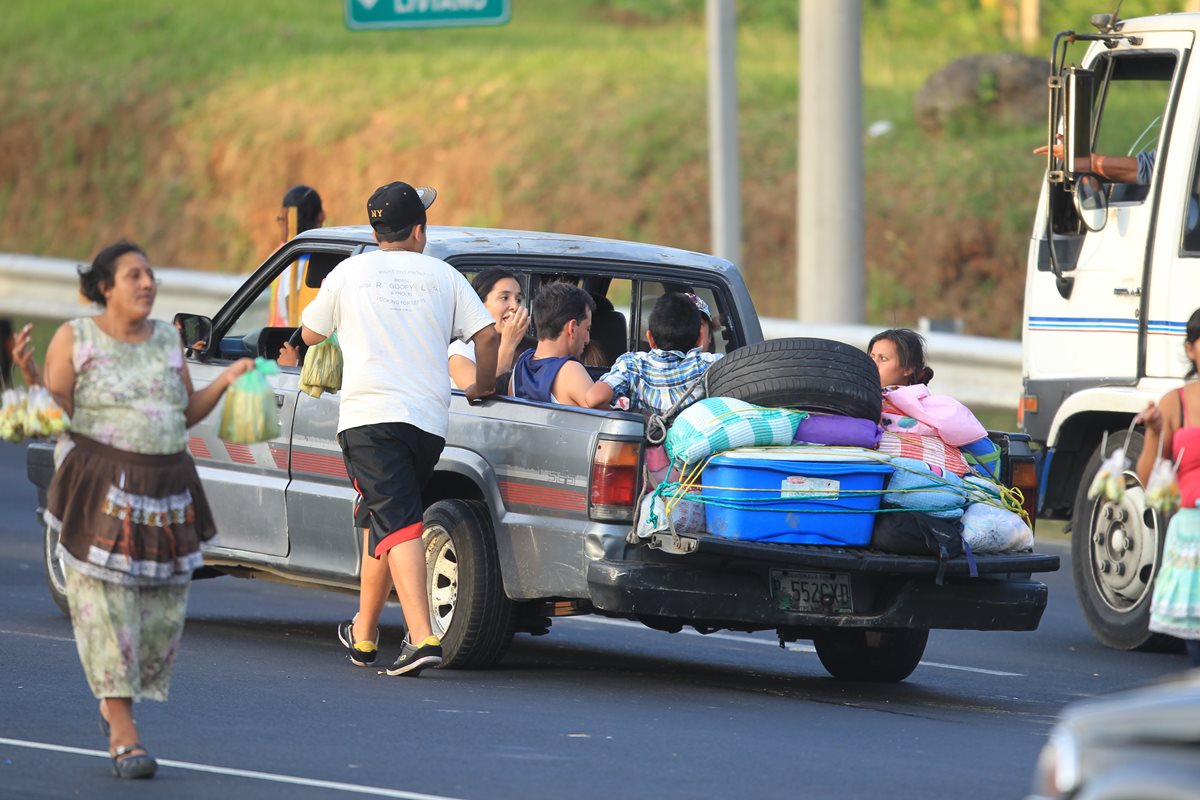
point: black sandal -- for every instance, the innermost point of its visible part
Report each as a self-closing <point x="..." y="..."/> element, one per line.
<point x="127" y="764"/>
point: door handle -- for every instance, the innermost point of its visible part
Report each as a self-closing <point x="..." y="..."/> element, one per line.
<point x="1123" y="291"/>
<point x="279" y="401"/>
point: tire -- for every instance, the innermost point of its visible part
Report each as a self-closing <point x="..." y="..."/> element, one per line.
<point x="467" y="605"/>
<point x="1115" y="552"/>
<point x="809" y="374"/>
<point x="882" y="656"/>
<point x="55" y="578"/>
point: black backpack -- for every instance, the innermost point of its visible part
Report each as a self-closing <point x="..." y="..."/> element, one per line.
<point x="912" y="533"/>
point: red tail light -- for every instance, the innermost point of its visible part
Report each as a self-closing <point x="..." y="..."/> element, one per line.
<point x="1025" y="478"/>
<point x="614" y="480"/>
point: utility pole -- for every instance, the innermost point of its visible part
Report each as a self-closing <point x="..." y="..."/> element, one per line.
<point x="830" y="275"/>
<point x="724" y="174"/>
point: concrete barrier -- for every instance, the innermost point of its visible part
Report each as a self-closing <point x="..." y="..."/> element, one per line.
<point x="983" y="373"/>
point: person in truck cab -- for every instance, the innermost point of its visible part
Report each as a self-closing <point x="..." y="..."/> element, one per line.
<point x="553" y="372"/>
<point x="657" y="380"/>
<point x="1117" y="169"/>
<point x="501" y="293"/>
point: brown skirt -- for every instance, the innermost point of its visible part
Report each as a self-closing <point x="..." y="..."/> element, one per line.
<point x="137" y="515"/>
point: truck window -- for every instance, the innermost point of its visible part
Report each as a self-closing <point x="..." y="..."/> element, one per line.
<point x="1134" y="92"/>
<point x="719" y="334"/>
<point x="1191" y="215"/>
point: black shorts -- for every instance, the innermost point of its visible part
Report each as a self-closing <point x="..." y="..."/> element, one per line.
<point x="388" y="465"/>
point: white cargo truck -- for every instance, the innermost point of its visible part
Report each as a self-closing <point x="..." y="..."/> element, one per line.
<point x="1113" y="275"/>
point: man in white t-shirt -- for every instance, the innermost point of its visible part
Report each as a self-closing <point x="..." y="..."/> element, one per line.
<point x="394" y="310"/>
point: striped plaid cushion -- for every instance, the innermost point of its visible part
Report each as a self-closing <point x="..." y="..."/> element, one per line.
<point x="716" y="424"/>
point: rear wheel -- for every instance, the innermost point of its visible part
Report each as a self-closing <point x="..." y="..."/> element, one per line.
<point x="1115" y="551"/>
<point x="883" y="656"/>
<point x="56" y="579"/>
<point x="467" y="605"/>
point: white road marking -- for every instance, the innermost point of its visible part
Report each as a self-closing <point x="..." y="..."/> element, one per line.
<point x="39" y="636"/>
<point x="240" y="773"/>
<point x="795" y="648"/>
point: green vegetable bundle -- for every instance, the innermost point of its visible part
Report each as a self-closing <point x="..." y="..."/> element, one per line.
<point x="30" y="414"/>
<point x="249" y="414"/>
<point x="322" y="370"/>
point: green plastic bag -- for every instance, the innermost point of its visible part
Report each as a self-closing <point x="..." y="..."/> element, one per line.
<point x="250" y="414"/>
<point x="322" y="370"/>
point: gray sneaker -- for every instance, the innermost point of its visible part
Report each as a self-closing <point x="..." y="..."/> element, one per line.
<point x="413" y="659"/>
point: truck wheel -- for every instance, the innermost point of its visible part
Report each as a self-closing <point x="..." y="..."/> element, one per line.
<point x="467" y="605"/>
<point x="811" y="374"/>
<point x="1115" y="552"/>
<point x="858" y="654"/>
<point x="56" y="579"/>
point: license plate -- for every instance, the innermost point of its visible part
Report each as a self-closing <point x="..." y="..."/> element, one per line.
<point x="811" y="591"/>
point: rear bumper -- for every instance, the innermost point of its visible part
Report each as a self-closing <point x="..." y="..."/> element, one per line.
<point x="737" y="595"/>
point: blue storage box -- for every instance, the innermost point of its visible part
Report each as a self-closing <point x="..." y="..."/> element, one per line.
<point x="806" y="495"/>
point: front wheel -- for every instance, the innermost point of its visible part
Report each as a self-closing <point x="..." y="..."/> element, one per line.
<point x="56" y="579"/>
<point x="883" y="656"/>
<point x="467" y="605"/>
<point x="1116" y="547"/>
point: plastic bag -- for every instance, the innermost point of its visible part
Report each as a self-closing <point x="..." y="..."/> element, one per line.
<point x="1110" y="480"/>
<point x="685" y="516"/>
<point x="988" y="529"/>
<point x="31" y="414"/>
<point x="1162" y="489"/>
<point x="249" y="415"/>
<point x="322" y="370"/>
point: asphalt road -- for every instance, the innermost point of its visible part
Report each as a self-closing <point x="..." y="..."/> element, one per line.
<point x="265" y="705"/>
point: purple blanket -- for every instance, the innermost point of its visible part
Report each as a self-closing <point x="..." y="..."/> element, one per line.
<point x="841" y="431"/>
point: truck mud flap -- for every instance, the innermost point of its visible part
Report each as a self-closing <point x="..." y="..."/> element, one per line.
<point x="741" y="599"/>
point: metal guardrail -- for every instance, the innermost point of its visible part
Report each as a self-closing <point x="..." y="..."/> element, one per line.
<point x="985" y="374"/>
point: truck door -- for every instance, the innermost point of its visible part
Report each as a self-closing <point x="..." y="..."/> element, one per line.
<point x="1090" y="333"/>
<point x="1174" y="275"/>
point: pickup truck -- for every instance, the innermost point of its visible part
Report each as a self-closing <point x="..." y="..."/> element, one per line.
<point x="529" y="513"/>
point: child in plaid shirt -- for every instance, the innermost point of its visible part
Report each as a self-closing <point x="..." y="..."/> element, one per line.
<point x="655" y="381"/>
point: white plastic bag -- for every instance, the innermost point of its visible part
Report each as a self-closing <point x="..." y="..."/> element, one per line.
<point x="990" y="529"/>
<point x="1162" y="489"/>
<point x="1110" y="479"/>
<point x="687" y="516"/>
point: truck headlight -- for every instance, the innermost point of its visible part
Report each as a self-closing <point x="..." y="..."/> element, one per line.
<point x="1058" y="767"/>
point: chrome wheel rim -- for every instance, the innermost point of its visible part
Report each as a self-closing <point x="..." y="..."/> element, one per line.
<point x="441" y="561"/>
<point x="1123" y="543"/>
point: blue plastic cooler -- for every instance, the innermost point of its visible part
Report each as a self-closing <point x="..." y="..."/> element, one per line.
<point x="823" y="499"/>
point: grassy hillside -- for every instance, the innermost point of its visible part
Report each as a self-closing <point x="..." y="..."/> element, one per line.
<point x="180" y="123"/>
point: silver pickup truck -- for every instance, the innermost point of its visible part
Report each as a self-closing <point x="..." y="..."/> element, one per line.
<point x="528" y="513"/>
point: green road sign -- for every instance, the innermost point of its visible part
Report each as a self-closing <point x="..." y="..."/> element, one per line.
<point x="374" y="14"/>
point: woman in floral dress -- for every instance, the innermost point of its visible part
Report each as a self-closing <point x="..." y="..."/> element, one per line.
<point x="126" y="499"/>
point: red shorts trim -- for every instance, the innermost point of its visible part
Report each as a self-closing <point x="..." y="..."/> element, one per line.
<point x="406" y="534"/>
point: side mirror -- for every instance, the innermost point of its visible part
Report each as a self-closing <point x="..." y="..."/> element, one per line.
<point x="1091" y="202"/>
<point x="1078" y="86"/>
<point x="1071" y="94"/>
<point x="195" y="330"/>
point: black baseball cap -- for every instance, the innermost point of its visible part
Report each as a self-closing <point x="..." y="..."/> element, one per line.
<point x="395" y="206"/>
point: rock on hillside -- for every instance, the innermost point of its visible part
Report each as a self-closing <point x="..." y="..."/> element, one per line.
<point x="1004" y="86"/>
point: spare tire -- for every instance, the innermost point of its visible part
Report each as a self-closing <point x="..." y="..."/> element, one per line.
<point x="809" y="374"/>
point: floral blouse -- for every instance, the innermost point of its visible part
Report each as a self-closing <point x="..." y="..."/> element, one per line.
<point x="130" y="395"/>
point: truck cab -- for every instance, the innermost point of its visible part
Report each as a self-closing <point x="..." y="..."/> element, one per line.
<point x="1113" y="274"/>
